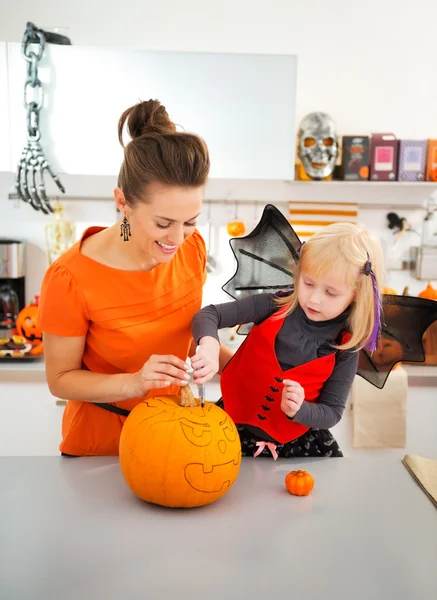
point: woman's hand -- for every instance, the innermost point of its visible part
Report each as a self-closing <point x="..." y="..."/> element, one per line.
<point x="205" y="362"/>
<point x="293" y="395"/>
<point x="158" y="372"/>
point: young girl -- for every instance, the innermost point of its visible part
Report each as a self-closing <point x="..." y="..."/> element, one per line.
<point x="289" y="381"/>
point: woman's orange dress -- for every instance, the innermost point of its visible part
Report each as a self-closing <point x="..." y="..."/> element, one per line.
<point x="126" y="316"/>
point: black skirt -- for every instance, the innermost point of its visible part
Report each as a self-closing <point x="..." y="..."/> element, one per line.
<point x="315" y="442"/>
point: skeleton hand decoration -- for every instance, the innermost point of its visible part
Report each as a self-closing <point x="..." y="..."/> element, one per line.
<point x="30" y="177"/>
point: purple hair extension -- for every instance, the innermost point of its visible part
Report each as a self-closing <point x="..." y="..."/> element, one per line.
<point x="373" y="339"/>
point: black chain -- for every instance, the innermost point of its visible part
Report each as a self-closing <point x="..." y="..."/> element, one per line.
<point x="29" y="181"/>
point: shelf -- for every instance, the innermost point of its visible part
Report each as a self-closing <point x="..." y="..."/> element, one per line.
<point x="367" y="194"/>
<point x="374" y="184"/>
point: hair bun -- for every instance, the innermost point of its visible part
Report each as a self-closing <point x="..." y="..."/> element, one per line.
<point x="149" y="116"/>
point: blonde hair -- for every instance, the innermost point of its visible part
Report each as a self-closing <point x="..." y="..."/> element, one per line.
<point x="341" y="248"/>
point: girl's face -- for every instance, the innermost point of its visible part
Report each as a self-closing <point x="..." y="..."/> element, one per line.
<point x="160" y="226"/>
<point x="325" y="297"/>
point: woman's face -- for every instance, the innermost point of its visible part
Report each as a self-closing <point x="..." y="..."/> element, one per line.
<point x="160" y="226"/>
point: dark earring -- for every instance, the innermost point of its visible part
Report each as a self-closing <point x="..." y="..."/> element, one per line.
<point x="125" y="229"/>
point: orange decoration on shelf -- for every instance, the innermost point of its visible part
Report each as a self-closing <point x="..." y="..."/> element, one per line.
<point x="26" y="322"/>
<point x="429" y="292"/>
<point x="299" y="483"/>
<point x="236" y="228"/>
<point x="179" y="456"/>
<point x="389" y="290"/>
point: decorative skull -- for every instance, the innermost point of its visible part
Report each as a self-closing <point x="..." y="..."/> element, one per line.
<point x="318" y="147"/>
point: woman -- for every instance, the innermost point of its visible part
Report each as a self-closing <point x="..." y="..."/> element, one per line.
<point x="116" y="308"/>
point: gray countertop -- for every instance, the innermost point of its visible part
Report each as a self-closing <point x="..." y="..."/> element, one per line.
<point x="71" y="529"/>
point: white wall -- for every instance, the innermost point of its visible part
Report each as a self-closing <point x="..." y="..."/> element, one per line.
<point x="370" y="65"/>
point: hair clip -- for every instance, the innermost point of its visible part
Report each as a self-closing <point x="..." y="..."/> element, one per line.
<point x="367" y="268"/>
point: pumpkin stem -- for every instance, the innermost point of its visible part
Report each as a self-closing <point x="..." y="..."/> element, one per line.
<point x="187" y="398"/>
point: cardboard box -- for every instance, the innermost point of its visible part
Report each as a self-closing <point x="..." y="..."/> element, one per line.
<point x="355" y="159"/>
<point x="431" y="163"/>
<point x="412" y="160"/>
<point x="384" y="157"/>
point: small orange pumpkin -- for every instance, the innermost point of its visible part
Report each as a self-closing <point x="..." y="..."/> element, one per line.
<point x="429" y="292"/>
<point x="389" y="290"/>
<point x="236" y="228"/>
<point x="26" y="322"/>
<point x="179" y="456"/>
<point x="299" y="483"/>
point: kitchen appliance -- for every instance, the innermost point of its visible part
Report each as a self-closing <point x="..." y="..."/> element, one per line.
<point x="12" y="280"/>
<point x="423" y="262"/>
<point x="8" y="307"/>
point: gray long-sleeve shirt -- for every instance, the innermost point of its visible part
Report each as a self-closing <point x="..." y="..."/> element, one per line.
<point x="299" y="341"/>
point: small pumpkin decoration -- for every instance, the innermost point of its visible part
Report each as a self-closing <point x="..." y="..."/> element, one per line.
<point x="390" y="291"/>
<point x="26" y="322"/>
<point x="429" y="292"/>
<point x="236" y="228"/>
<point x="179" y="456"/>
<point x="299" y="483"/>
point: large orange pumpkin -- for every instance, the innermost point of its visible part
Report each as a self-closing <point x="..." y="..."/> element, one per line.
<point x="299" y="483"/>
<point x="26" y="322"/>
<point x="179" y="456"/>
<point x="387" y="351"/>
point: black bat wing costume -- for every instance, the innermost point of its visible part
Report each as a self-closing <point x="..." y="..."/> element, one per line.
<point x="265" y="260"/>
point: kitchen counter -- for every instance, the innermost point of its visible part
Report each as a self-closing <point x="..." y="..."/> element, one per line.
<point x="70" y="529"/>
<point x="418" y="374"/>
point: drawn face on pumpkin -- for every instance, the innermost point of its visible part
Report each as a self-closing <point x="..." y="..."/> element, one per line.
<point x="26" y="323"/>
<point x="191" y="456"/>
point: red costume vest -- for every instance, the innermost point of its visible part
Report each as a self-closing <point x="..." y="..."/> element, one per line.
<point x="251" y="382"/>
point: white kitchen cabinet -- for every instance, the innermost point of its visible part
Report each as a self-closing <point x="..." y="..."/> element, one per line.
<point x="30" y="423"/>
<point x="31" y="420"/>
<point x="243" y="105"/>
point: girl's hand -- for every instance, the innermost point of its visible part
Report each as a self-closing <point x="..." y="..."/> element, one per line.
<point x="205" y="362"/>
<point x="292" y="397"/>
<point x="160" y="371"/>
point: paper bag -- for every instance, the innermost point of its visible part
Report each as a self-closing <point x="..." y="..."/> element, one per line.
<point x="424" y="471"/>
<point x="379" y="417"/>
